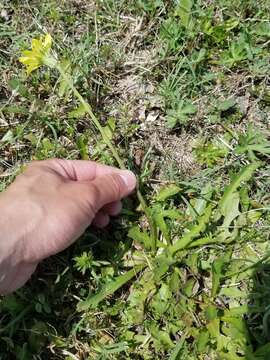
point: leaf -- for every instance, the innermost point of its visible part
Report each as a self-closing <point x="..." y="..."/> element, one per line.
<point x="211" y="312"/>
<point x="16" y="85"/>
<point x="12" y="304"/>
<point x="219" y="32"/>
<point x="141" y="237"/>
<point x="190" y="211"/>
<point x="77" y="113"/>
<point x="195" y="231"/>
<point x="217" y="267"/>
<point x="160" y="302"/>
<point x="237" y="329"/>
<point x="184" y="11"/>
<point x="203" y="241"/>
<point x="82" y="144"/>
<point x="109" y="288"/>
<point x="213" y="327"/>
<point x="134" y="310"/>
<point x="231" y="211"/>
<point x="205" y="196"/>
<point x="209" y="153"/>
<point x="106" y="350"/>
<point x="38" y="336"/>
<point x="202" y="340"/>
<point x="228" y="196"/>
<point x="189" y="109"/>
<point x="263" y="352"/>
<point x="175" y="354"/>
<point x="198" y="57"/>
<point x="233" y="292"/>
<point x="63" y="85"/>
<point x="109" y="128"/>
<point x="8" y="137"/>
<point x="162" y="338"/>
<point x="161" y="265"/>
<point x="263" y="148"/>
<point x="180" y="114"/>
<point x="236" y="311"/>
<point x="172" y="214"/>
<point x="188" y="288"/>
<point x="16" y="109"/>
<point x="158" y="217"/>
<point x="171" y="121"/>
<point x="244" y="198"/>
<point x="262" y="29"/>
<point x="167" y="192"/>
<point x="175" y="282"/>
<point x="253" y="141"/>
<point x="239" y="50"/>
<point x="226" y="104"/>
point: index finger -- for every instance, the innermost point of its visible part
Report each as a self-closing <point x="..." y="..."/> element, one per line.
<point x="80" y="170"/>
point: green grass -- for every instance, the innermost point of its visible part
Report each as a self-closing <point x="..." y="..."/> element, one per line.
<point x="183" y="90"/>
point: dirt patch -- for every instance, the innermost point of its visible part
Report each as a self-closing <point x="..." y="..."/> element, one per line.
<point x="146" y="110"/>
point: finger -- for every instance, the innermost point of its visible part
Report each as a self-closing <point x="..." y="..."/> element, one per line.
<point x="101" y="220"/>
<point x="106" y="189"/>
<point x="80" y="170"/>
<point x="113" y="209"/>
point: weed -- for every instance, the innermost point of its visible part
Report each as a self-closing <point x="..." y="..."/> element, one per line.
<point x="181" y="114"/>
<point x="187" y="278"/>
<point x="209" y="153"/>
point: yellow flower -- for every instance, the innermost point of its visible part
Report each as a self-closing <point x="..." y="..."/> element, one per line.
<point x="38" y="55"/>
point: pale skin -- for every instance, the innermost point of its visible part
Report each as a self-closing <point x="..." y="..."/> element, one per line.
<point x="49" y="206"/>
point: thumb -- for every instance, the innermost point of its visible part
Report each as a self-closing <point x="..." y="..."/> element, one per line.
<point x="111" y="187"/>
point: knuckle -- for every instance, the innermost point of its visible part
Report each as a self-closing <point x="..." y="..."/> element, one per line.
<point x="36" y="172"/>
<point x="94" y="194"/>
<point x="29" y="169"/>
<point x="32" y="167"/>
<point x="116" y="186"/>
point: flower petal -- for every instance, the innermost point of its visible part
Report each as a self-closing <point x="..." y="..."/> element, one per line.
<point x="38" y="55"/>
<point x="47" y="43"/>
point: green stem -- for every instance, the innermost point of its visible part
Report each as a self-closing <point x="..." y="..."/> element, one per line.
<point x="88" y="109"/>
<point x="152" y="225"/>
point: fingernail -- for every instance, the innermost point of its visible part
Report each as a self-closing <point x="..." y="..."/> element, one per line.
<point x="129" y="179"/>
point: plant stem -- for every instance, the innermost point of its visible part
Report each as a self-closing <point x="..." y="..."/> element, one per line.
<point x="152" y="225"/>
<point x="93" y="117"/>
<point x="95" y="120"/>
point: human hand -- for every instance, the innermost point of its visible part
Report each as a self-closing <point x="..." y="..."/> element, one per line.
<point x="49" y="206"/>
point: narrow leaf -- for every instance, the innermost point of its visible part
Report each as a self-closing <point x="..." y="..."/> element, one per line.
<point x="141" y="237"/>
<point x="189" y="109"/>
<point x="226" y="104"/>
<point x="195" y="231"/>
<point x="217" y="267"/>
<point x="17" y="85"/>
<point x="184" y="11"/>
<point x="63" y="85"/>
<point x="109" y="288"/>
<point x="77" y="113"/>
<point x="175" y="355"/>
<point x="244" y="175"/>
<point x="167" y="192"/>
<point x="161" y="224"/>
